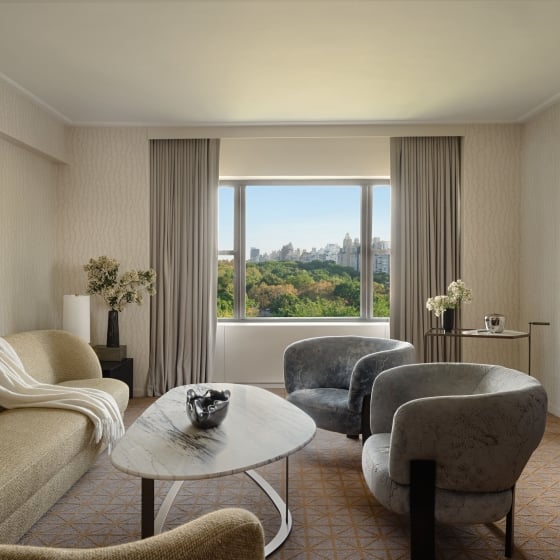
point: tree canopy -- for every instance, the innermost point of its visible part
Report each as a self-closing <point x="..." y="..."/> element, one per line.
<point x="298" y="289"/>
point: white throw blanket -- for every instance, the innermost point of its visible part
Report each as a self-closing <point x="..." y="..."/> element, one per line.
<point x="18" y="389"/>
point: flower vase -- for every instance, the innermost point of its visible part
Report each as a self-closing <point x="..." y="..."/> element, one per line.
<point x="113" y="329"/>
<point x="448" y="320"/>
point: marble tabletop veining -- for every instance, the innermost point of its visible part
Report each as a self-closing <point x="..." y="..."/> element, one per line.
<point x="260" y="428"/>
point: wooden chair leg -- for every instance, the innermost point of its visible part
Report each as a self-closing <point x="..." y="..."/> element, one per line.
<point x="422" y="510"/>
<point x="366" y="427"/>
<point x="509" y="526"/>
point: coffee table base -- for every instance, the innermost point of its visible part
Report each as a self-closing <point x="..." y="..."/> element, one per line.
<point x="151" y="526"/>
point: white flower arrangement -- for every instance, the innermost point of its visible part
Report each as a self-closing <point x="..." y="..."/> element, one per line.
<point x="117" y="292"/>
<point x="457" y="293"/>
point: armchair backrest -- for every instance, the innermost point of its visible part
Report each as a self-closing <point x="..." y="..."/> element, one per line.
<point x="327" y="361"/>
<point x="479" y="423"/>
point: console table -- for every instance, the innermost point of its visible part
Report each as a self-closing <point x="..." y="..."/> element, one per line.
<point x="122" y="370"/>
<point x="480" y="334"/>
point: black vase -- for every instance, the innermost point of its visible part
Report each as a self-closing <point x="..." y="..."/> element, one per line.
<point x="113" y="329"/>
<point x="448" y="320"/>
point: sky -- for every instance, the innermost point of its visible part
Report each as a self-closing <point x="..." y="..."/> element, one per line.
<point x="306" y="216"/>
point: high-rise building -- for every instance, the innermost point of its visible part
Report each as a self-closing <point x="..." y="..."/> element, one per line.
<point x="349" y="255"/>
<point x="255" y="254"/>
<point x="382" y="263"/>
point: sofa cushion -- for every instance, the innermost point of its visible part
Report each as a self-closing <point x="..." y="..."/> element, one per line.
<point x="38" y="442"/>
<point x="41" y="441"/>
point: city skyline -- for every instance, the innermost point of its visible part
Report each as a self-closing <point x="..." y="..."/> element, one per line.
<point x="347" y="254"/>
<point x="307" y="216"/>
<point x="382" y="245"/>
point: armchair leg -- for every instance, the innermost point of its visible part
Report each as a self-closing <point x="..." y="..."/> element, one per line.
<point x="422" y="510"/>
<point x="366" y="427"/>
<point x="509" y="526"/>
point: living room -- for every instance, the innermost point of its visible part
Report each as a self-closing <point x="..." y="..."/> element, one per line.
<point x="77" y="187"/>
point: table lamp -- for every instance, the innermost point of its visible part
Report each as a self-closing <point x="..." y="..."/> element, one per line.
<point x="76" y="315"/>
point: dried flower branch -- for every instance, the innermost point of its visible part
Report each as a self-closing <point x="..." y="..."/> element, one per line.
<point x="117" y="292"/>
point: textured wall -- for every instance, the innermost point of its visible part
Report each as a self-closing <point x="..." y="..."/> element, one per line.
<point x="24" y="121"/>
<point x="490" y="238"/>
<point x="50" y="225"/>
<point x="104" y="209"/>
<point x="105" y="204"/>
<point x="303" y="157"/>
<point x="540" y="239"/>
<point x="28" y="185"/>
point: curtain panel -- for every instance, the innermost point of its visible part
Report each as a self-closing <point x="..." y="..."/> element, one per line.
<point x="425" y="235"/>
<point x="184" y="176"/>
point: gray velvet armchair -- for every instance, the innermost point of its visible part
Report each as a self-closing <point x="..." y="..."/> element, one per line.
<point x="448" y="444"/>
<point x="331" y="377"/>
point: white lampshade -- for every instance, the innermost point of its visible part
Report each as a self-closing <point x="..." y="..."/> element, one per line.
<point x="75" y="316"/>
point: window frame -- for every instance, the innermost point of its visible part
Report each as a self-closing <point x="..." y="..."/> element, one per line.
<point x="238" y="252"/>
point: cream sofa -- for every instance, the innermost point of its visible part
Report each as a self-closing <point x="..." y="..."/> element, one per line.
<point x="227" y="534"/>
<point x="44" y="451"/>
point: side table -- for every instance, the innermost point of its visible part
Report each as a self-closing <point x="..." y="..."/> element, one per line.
<point x="122" y="370"/>
<point x="432" y="334"/>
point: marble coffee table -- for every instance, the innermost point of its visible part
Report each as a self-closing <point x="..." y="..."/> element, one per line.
<point x="162" y="444"/>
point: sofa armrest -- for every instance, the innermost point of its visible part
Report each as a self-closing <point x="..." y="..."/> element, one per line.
<point x="54" y="356"/>
<point x="227" y="534"/>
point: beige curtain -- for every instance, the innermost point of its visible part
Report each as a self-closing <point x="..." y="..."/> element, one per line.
<point x="425" y="235"/>
<point x="184" y="191"/>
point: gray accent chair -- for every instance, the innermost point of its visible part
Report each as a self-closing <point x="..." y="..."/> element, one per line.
<point x="330" y="377"/>
<point x="449" y="442"/>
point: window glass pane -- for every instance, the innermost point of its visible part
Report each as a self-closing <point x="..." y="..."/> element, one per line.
<point x="225" y="218"/>
<point x="381" y="246"/>
<point x="225" y="262"/>
<point x="302" y="251"/>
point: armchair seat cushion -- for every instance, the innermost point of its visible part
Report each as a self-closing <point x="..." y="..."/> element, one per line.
<point x="455" y="508"/>
<point x="329" y="408"/>
<point x="330" y="377"/>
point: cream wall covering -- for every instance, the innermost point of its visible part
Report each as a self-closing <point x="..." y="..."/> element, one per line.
<point x="27" y="123"/>
<point x="107" y="191"/>
<point x="104" y="209"/>
<point x="540" y="239"/>
<point x="490" y="237"/>
<point x="28" y="212"/>
<point x="304" y="157"/>
<point x="50" y="225"/>
<point x="31" y="140"/>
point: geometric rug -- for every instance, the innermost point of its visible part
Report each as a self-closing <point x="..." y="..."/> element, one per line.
<point x="334" y="515"/>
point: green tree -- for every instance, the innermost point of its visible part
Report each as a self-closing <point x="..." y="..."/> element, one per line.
<point x="225" y="289"/>
<point x="381" y="306"/>
<point x="295" y="289"/>
<point x="349" y="291"/>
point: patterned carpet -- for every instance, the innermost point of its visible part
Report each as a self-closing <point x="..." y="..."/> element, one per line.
<point x="334" y="516"/>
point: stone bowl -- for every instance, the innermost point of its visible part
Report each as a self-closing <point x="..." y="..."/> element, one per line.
<point x="207" y="410"/>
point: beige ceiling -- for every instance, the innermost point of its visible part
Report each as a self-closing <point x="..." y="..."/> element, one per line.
<point x="284" y="61"/>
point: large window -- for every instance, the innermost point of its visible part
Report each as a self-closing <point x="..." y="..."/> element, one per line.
<point x="294" y="250"/>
